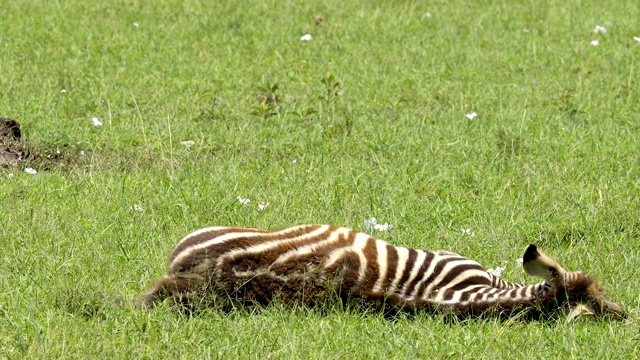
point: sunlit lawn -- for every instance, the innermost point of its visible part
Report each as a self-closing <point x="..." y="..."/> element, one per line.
<point x="201" y="103"/>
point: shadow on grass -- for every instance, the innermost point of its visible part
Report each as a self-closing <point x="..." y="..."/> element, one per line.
<point x="217" y="305"/>
<point x="88" y="305"/>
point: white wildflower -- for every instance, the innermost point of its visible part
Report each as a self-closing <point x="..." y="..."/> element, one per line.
<point x="471" y="116"/>
<point x="600" y="29"/>
<point x="636" y="38"/>
<point x="519" y="261"/>
<point x="262" y="206"/>
<point x="137" y="207"/>
<point x="243" y="201"/>
<point x="82" y="152"/>
<point x="96" y="122"/>
<point x="30" y="171"/>
<point x="372" y="224"/>
<point x="11" y="175"/>
<point x="427" y="15"/>
<point x="525" y="30"/>
<point x="136" y="24"/>
<point x="63" y="91"/>
<point x="497" y="272"/>
<point x="382" y="227"/>
<point x="306" y="37"/>
<point x="188" y="143"/>
<point x="294" y="161"/>
<point x="595" y="43"/>
<point x="468" y="232"/>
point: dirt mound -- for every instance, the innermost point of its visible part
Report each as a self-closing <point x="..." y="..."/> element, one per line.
<point x="9" y="136"/>
<point x="18" y="151"/>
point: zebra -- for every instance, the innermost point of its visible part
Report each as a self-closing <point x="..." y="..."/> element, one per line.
<point x="308" y="264"/>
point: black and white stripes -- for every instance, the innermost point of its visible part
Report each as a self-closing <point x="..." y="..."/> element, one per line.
<point x="308" y="263"/>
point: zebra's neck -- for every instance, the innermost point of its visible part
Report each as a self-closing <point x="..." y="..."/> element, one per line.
<point x="501" y="295"/>
<point x="499" y="283"/>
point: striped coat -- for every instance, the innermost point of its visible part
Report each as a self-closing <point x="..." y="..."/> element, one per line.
<point x="310" y="263"/>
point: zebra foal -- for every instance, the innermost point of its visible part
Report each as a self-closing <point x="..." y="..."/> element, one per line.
<point x="309" y="263"/>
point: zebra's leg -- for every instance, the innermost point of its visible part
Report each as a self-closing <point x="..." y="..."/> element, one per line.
<point x="175" y="287"/>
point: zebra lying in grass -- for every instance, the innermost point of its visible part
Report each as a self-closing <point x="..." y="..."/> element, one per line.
<point x="309" y="263"/>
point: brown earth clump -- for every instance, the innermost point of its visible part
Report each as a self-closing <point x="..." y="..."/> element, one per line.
<point x="9" y="136"/>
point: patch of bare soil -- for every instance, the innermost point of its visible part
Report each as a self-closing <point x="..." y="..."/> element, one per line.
<point x="15" y="150"/>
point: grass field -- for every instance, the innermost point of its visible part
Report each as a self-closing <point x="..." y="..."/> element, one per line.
<point x="367" y="119"/>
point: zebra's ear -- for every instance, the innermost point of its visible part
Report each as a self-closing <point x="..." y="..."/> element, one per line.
<point x="578" y="310"/>
<point x="537" y="264"/>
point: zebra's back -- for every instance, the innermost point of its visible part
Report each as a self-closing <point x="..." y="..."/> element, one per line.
<point x="307" y="263"/>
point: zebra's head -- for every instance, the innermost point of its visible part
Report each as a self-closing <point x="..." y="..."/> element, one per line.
<point x="580" y="291"/>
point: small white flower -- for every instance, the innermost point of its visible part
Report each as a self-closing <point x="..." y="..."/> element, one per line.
<point x="294" y="161"/>
<point x="471" y="116"/>
<point x="243" y="201"/>
<point x="600" y="29"/>
<point x="525" y="30"/>
<point x="468" y="232"/>
<point x="427" y="15"/>
<point x="136" y="24"/>
<point x="11" y="175"/>
<point x="82" y="152"/>
<point x="96" y="122"/>
<point x="636" y="38"/>
<point x="30" y="171"/>
<point x="137" y="207"/>
<point x="262" y="206"/>
<point x="519" y="261"/>
<point x="382" y="227"/>
<point x="306" y="37"/>
<point x="58" y="152"/>
<point x="370" y="223"/>
<point x="188" y="143"/>
<point x="63" y="91"/>
<point x="595" y="43"/>
<point x="497" y="272"/>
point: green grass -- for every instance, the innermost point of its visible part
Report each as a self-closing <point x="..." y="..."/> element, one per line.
<point x="551" y="159"/>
